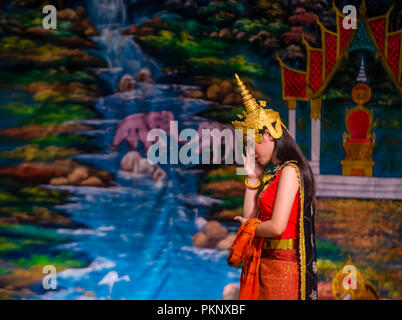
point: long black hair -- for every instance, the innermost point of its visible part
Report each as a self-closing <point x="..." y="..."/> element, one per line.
<point x="286" y="149"/>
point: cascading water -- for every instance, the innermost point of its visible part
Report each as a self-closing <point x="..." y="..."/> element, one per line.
<point x="122" y="53"/>
<point x="107" y="12"/>
<point x="139" y="233"/>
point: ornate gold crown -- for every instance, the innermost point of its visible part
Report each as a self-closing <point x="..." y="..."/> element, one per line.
<point x="256" y="117"/>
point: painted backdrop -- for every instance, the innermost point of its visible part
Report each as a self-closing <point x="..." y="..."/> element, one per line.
<point x="76" y="192"/>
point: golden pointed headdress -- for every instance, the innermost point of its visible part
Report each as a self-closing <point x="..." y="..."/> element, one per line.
<point x="256" y="117"/>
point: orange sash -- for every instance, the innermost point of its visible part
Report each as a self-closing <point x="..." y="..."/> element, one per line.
<point x="247" y="249"/>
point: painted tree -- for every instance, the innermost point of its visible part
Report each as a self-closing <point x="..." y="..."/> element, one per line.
<point x="302" y="21"/>
<point x="273" y="11"/>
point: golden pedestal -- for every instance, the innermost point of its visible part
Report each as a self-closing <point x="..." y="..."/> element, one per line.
<point x="357" y="168"/>
<point x="358" y="157"/>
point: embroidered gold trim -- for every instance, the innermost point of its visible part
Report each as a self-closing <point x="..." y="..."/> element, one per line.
<point x="284" y="244"/>
<point x="302" y="249"/>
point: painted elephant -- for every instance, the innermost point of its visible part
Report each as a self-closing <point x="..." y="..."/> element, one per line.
<point x="205" y="143"/>
<point x="134" y="128"/>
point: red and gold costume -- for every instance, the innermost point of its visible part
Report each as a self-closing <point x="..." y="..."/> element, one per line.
<point x="283" y="267"/>
<point x="279" y="267"/>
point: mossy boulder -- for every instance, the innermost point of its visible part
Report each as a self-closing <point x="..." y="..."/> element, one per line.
<point x="42" y="172"/>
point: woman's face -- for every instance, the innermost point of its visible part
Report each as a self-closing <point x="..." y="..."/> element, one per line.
<point x="265" y="149"/>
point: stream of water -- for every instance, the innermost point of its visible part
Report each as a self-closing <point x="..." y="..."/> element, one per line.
<point x="139" y="233"/>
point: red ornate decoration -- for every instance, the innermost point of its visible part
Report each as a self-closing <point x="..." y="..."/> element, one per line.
<point x="378" y="27"/>
<point x="330" y="50"/>
<point x="345" y="34"/>
<point x="388" y="45"/>
<point x="315" y="74"/>
<point x="323" y="62"/>
<point x="393" y="52"/>
<point x="295" y="83"/>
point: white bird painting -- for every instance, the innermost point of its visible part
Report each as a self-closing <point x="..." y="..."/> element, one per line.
<point x="111" y="278"/>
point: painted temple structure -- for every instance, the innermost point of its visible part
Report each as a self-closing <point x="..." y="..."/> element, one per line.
<point x="356" y="179"/>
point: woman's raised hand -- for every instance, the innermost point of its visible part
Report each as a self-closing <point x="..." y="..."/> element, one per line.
<point x="253" y="169"/>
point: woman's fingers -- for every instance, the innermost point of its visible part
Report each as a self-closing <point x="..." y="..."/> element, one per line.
<point x="244" y="159"/>
<point x="247" y="152"/>
<point x="241" y="219"/>
<point x="245" y="164"/>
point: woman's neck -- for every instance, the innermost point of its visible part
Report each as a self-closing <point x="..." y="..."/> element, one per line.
<point x="275" y="161"/>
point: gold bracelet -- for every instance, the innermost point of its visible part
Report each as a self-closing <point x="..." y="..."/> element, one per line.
<point x="252" y="187"/>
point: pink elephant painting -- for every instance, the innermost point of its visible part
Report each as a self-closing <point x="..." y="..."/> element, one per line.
<point x="134" y="128"/>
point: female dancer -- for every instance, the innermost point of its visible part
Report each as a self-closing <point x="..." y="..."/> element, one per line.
<point x="276" y="241"/>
